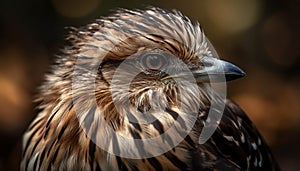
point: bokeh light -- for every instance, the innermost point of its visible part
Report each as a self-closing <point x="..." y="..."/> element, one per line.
<point x="277" y="40"/>
<point x="232" y="16"/>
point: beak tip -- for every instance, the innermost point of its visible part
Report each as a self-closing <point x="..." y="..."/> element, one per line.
<point x="233" y="72"/>
<point x="241" y="72"/>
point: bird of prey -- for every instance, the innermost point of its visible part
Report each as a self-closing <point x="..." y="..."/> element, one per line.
<point x="135" y="91"/>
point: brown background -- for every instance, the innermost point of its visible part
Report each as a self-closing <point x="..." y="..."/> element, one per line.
<point x="260" y="36"/>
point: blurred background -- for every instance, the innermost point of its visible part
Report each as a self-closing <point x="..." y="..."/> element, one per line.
<point x="260" y="36"/>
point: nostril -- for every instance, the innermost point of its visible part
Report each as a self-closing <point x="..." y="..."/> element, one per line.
<point x="206" y="63"/>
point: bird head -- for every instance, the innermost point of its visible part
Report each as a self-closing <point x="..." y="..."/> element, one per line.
<point x="140" y="70"/>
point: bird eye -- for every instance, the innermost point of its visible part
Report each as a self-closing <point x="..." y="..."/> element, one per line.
<point x="153" y="61"/>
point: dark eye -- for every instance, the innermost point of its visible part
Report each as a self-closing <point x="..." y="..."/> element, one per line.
<point x="153" y="61"/>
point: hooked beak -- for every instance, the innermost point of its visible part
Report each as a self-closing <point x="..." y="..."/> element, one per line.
<point x="214" y="70"/>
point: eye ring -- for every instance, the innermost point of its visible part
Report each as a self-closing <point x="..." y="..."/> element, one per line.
<point x="153" y="61"/>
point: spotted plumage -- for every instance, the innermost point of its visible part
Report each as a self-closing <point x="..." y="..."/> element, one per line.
<point x="83" y="101"/>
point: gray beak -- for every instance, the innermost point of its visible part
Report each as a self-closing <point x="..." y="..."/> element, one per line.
<point x="216" y="70"/>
